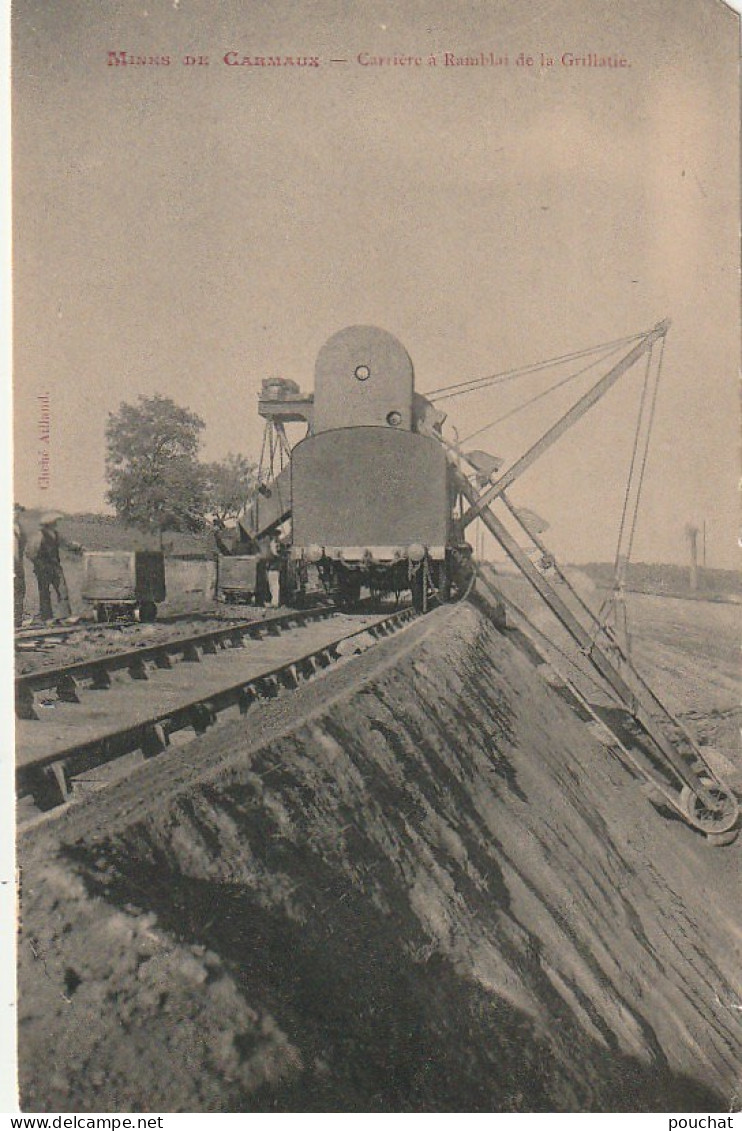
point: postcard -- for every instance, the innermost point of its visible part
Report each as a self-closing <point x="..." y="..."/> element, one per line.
<point x="376" y="600"/>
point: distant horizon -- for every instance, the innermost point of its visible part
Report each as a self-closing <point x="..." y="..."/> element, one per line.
<point x="32" y="513"/>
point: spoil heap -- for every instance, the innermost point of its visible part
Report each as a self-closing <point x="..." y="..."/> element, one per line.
<point x="432" y="892"/>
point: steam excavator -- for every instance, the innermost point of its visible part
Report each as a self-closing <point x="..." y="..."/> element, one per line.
<point x="594" y="673"/>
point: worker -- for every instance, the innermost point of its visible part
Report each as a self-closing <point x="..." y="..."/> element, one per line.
<point x="223" y="543"/>
<point x="275" y="566"/>
<point x="19" y="570"/>
<point x="262" y="592"/>
<point x="43" y="550"/>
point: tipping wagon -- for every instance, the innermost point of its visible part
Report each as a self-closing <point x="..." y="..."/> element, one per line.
<point x="124" y="583"/>
<point x="237" y="578"/>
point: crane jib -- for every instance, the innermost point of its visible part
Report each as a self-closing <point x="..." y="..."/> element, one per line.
<point x="565" y="422"/>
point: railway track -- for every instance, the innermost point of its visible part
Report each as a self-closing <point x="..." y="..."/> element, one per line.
<point x="44" y="678"/>
<point x="44" y="637"/>
<point x="80" y="717"/>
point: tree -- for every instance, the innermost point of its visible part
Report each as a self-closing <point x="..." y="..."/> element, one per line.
<point x="155" y="479"/>
<point x="230" y="485"/>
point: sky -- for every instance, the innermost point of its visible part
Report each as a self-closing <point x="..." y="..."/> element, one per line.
<point x="192" y="230"/>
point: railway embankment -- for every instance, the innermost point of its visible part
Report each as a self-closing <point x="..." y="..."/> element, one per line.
<point x="416" y="884"/>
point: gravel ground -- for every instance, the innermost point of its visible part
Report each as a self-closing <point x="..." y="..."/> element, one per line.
<point x="92" y="640"/>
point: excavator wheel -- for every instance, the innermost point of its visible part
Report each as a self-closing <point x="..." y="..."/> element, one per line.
<point x="714" y="823"/>
<point x="720" y="840"/>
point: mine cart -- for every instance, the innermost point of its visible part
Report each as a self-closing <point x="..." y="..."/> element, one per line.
<point x="237" y="577"/>
<point x="124" y="583"/>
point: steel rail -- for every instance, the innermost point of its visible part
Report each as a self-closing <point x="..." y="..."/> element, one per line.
<point x="64" y="678"/>
<point x="29" y="633"/>
<point x="47" y="778"/>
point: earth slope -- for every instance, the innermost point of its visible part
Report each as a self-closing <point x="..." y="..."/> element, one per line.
<point x="417" y="884"/>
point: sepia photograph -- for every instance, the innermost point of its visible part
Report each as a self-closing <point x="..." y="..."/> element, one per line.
<point x="376" y="591"/>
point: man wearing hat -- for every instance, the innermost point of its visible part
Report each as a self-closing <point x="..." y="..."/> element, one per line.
<point x="43" y="550"/>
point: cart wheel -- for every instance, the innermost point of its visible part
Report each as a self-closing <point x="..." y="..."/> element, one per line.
<point x="147" y="612"/>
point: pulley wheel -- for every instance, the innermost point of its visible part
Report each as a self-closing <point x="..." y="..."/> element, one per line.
<point x="712" y="822"/>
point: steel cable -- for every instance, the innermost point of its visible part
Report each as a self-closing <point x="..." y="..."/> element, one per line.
<point x="445" y="392"/>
